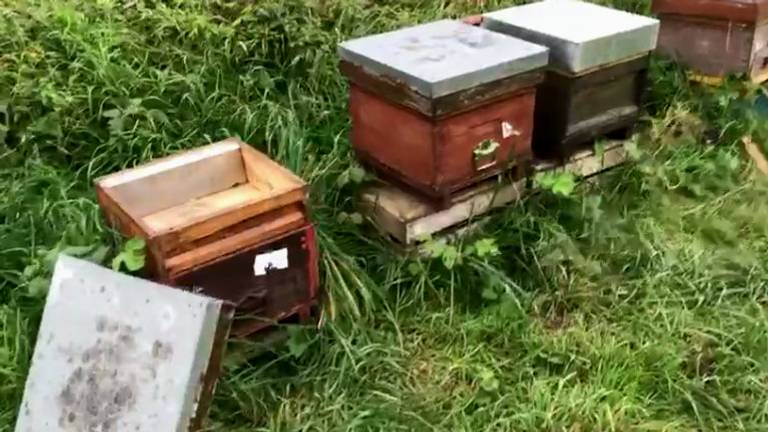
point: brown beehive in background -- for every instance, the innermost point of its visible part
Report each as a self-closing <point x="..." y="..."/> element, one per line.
<point x="596" y="78"/>
<point x="716" y="38"/>
<point x="442" y="106"/>
<point x="223" y="219"/>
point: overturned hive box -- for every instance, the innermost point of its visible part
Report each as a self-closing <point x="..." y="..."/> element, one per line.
<point x="223" y="219"/>
<point x="716" y="38"/>
<point x="441" y="106"/>
<point x="118" y="353"/>
<point x="599" y="59"/>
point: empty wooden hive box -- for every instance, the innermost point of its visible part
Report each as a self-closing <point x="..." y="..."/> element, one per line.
<point x="599" y="59"/>
<point x="223" y="219"/>
<point x="716" y="38"/>
<point x="443" y="105"/>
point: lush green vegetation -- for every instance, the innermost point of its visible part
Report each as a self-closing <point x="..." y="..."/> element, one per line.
<point x="635" y="303"/>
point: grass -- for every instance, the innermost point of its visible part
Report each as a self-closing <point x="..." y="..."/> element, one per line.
<point x="637" y="303"/>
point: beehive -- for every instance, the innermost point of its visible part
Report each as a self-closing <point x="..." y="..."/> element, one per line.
<point x="716" y="38"/>
<point x="442" y="106"/>
<point x="597" y="73"/>
<point x="226" y="220"/>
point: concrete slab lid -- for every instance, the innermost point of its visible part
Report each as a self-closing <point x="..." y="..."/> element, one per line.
<point x="117" y="353"/>
<point x="580" y="35"/>
<point x="444" y="57"/>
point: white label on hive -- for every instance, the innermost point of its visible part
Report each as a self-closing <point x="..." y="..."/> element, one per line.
<point x="275" y="260"/>
<point x="507" y="130"/>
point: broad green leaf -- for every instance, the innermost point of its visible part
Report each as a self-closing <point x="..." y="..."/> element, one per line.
<point x="158" y="116"/>
<point x="486" y="248"/>
<point x="342" y="217"/>
<point x="356" y="174"/>
<point x="112" y="113"/>
<point x="435" y="248"/>
<point x="298" y="342"/>
<point x="48" y="125"/>
<point x="356" y="218"/>
<point x="343" y="179"/>
<point x="564" y="184"/>
<point x="450" y="256"/>
<point x="135" y="244"/>
<point x="490" y="294"/>
<point x="133" y="256"/>
<point x="134" y="262"/>
<point x="414" y="269"/>
<point x="77" y="251"/>
<point x="117" y="262"/>
<point x="116" y="125"/>
<point x="38" y="287"/>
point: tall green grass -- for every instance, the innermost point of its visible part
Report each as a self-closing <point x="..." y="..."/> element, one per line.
<point x="638" y="303"/>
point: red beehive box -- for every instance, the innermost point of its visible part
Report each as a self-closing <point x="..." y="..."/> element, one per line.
<point x="223" y="219"/>
<point x="442" y="106"/>
<point x="716" y="38"/>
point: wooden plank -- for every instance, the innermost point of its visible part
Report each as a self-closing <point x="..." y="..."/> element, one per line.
<point x="261" y="170"/>
<point x="408" y="217"/>
<point x="223" y="248"/>
<point x="398" y="93"/>
<point x="586" y="163"/>
<point x="169" y="241"/>
<point x="173" y="180"/>
<point x="220" y="202"/>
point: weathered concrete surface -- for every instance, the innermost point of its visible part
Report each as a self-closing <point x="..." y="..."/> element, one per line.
<point x="444" y="57"/>
<point x="580" y="35"/>
<point x="117" y="353"/>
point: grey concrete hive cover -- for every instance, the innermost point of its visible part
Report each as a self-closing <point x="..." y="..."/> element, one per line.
<point x="116" y="353"/>
<point x="580" y="35"/>
<point x="444" y="57"/>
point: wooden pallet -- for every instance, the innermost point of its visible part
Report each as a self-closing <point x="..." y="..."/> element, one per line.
<point x="587" y="163"/>
<point x="409" y="219"/>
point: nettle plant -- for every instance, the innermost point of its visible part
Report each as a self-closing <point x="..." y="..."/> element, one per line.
<point x="451" y="255"/>
<point x="37" y="274"/>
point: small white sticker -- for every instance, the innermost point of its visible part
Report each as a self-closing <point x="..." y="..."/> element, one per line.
<point x="275" y="260"/>
<point x="507" y="130"/>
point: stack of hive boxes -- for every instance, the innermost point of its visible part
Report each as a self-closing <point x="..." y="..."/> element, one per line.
<point x="438" y="109"/>
<point x="596" y="77"/>
<point x="442" y="106"/>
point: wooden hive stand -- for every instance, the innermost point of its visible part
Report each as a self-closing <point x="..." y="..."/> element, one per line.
<point x="408" y="219"/>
